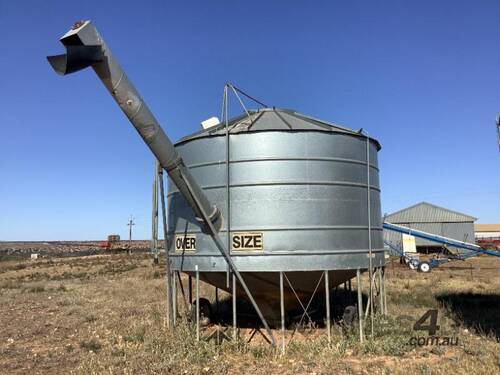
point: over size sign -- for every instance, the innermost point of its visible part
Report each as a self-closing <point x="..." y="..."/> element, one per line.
<point x="185" y="242"/>
<point x="247" y="241"/>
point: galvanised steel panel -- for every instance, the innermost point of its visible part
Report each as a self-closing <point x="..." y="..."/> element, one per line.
<point x="273" y="261"/>
<point x="305" y="191"/>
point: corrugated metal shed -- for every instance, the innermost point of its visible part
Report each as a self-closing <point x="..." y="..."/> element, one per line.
<point x="428" y="213"/>
<point x="487" y="227"/>
<point x="433" y="219"/>
<point x="487" y="230"/>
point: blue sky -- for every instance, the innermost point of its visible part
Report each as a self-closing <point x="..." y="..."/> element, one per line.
<point x="422" y="77"/>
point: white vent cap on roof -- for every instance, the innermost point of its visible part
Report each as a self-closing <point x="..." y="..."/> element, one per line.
<point x="212" y="121"/>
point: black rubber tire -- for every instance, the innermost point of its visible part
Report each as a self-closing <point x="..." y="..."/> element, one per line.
<point x="205" y="311"/>
<point x="350" y="316"/>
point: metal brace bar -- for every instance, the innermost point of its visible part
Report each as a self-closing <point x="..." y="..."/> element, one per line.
<point x="327" y="297"/>
<point x="308" y="304"/>
<point x="360" y="305"/>
<point x="197" y="291"/>
<point x="296" y="296"/>
<point x="282" y="308"/>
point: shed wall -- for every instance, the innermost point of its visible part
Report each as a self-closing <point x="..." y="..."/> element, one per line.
<point x="459" y="231"/>
<point x="432" y="219"/>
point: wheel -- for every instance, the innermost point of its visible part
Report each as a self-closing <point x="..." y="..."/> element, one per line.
<point x="413" y="264"/>
<point x="205" y="311"/>
<point x="424" y="267"/>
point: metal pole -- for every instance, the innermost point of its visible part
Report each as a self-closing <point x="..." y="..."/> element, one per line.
<point x="234" y="306"/>
<point x="170" y="322"/>
<point x="497" y="123"/>
<point x="154" y="219"/>
<point x="225" y="104"/>
<point x="217" y="300"/>
<point x="190" y="290"/>
<point x="174" y="300"/>
<point x="282" y="308"/>
<point x="197" y="302"/>
<point x="228" y="203"/>
<point x="369" y="229"/>
<point x="181" y="285"/>
<point x="157" y="246"/>
<point x="385" y="292"/>
<point x="381" y="290"/>
<point x="153" y="211"/>
<point x="360" y="305"/>
<point x="327" y="297"/>
<point x="130" y="224"/>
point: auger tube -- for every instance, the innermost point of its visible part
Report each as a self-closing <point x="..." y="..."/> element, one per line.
<point x="84" y="48"/>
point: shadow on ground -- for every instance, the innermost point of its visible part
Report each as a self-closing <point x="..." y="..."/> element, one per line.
<point x="221" y="313"/>
<point x="479" y="312"/>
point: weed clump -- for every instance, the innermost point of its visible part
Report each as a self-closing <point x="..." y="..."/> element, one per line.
<point x="62" y="288"/>
<point x="136" y="335"/>
<point x="92" y="345"/>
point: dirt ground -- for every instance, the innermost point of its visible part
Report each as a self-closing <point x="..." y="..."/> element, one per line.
<point x="106" y="314"/>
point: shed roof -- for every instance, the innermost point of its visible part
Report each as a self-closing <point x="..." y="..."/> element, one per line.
<point x="424" y="212"/>
<point x="274" y="119"/>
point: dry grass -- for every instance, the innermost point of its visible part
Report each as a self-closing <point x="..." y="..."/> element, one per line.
<point x="105" y="314"/>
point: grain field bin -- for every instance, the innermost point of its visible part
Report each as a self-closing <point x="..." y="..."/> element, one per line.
<point x="273" y="191"/>
<point x="298" y="203"/>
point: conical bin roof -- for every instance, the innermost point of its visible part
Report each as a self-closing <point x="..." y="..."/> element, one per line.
<point x="273" y="119"/>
